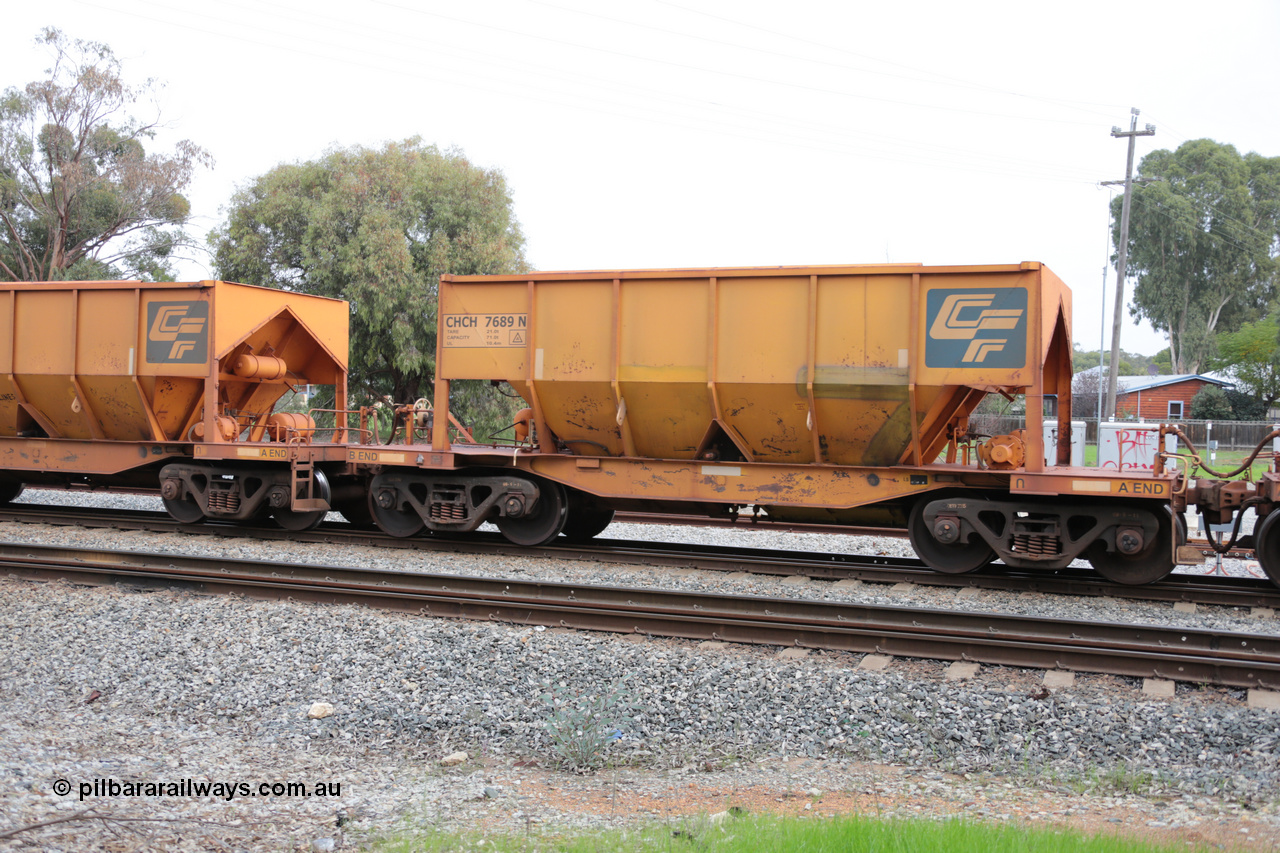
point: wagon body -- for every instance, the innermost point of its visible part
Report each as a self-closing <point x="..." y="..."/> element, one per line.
<point x="130" y="361"/>
<point x="851" y="366"/>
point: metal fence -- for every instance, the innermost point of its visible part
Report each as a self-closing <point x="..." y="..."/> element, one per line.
<point x="1230" y="435"/>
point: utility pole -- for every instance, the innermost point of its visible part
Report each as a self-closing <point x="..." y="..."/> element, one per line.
<point x="1113" y="373"/>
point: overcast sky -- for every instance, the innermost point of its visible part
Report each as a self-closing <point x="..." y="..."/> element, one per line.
<point x="676" y="133"/>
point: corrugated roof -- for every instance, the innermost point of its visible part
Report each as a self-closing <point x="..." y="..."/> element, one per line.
<point x="1132" y="384"/>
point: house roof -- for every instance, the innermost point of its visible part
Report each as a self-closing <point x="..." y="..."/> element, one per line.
<point x="1132" y="384"/>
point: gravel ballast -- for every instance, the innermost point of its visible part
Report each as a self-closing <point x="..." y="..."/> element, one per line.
<point x="220" y="688"/>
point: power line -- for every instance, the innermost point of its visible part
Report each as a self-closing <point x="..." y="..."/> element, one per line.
<point x="940" y="156"/>
<point x="714" y="71"/>
<point x="953" y="80"/>
<point x="915" y="77"/>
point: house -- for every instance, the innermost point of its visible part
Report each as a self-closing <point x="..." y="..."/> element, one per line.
<point x="1161" y="397"/>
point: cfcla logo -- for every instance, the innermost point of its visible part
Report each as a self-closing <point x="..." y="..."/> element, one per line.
<point x="969" y="328"/>
<point x="177" y="332"/>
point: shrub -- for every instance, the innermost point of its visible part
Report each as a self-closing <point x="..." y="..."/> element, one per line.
<point x="1211" y="404"/>
<point x="1246" y="407"/>
<point x="582" y="726"/>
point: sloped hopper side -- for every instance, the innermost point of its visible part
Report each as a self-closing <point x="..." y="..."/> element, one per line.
<point x="131" y="361"/>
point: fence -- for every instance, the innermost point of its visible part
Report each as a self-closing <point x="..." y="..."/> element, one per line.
<point x="1230" y="435"/>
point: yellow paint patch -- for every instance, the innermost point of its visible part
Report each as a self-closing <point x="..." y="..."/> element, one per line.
<point x="374" y="457"/>
<point x="1142" y="488"/>
<point x="262" y="452"/>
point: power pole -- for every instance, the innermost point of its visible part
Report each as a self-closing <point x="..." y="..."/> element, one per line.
<point x="1113" y="373"/>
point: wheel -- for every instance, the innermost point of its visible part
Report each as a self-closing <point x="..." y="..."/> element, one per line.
<point x="9" y="491"/>
<point x="308" y="520"/>
<point x="587" y="518"/>
<point x="956" y="559"/>
<point x="401" y="520"/>
<point x="546" y="522"/>
<point x="1267" y="546"/>
<point x="184" y="510"/>
<point x="1153" y="563"/>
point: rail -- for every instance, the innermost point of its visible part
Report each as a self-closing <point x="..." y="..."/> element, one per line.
<point x="1202" y="656"/>
<point x="1196" y="588"/>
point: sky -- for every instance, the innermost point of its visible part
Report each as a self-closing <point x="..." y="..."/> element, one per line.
<point x="697" y="133"/>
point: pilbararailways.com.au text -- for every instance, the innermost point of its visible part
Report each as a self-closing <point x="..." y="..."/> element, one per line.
<point x="191" y="788"/>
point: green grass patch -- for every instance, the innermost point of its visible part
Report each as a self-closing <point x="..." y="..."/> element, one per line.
<point x="1225" y="461"/>
<point x="1229" y="460"/>
<point x="766" y="833"/>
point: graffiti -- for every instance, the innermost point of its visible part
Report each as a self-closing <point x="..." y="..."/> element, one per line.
<point x="1129" y="450"/>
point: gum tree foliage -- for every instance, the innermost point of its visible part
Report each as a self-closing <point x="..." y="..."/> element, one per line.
<point x="1203" y="243"/>
<point x="1251" y="356"/>
<point x="378" y="227"/>
<point x="1131" y="363"/>
<point x="80" y="196"/>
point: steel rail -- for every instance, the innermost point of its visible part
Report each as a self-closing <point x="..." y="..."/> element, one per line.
<point x="750" y="523"/>
<point x="1200" y="589"/>
<point x="1233" y="659"/>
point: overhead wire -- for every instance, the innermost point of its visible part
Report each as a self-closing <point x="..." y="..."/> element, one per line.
<point x="1203" y="204"/>
<point x="715" y="71"/>
<point x="915" y="77"/>
<point x="1075" y="104"/>
<point x="1176" y="218"/>
<point x="933" y="154"/>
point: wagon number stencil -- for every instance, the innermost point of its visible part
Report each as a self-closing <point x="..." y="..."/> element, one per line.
<point x="486" y="330"/>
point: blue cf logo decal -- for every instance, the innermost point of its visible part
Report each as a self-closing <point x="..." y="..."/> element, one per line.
<point x="177" y="332"/>
<point x="977" y="328"/>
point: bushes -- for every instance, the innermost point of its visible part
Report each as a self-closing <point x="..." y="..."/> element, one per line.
<point x="1211" y="404"/>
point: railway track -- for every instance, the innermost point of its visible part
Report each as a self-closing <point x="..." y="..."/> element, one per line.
<point x="1199" y="589"/>
<point x="1203" y="656"/>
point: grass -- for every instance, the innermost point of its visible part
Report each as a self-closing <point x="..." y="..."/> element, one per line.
<point x="1229" y="460"/>
<point x="766" y="833"/>
<point x="1225" y="460"/>
<point x="1114" y="780"/>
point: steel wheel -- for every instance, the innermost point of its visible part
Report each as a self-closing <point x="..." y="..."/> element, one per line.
<point x="184" y="510"/>
<point x="546" y="522"/>
<point x="1153" y="563"/>
<point x="300" y="521"/>
<point x="1267" y="546"/>
<point x="587" y="518"/>
<point x="9" y="491"/>
<point x="956" y="559"/>
<point x="401" y="520"/>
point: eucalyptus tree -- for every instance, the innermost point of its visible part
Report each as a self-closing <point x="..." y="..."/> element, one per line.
<point x="378" y="227"/>
<point x="80" y="195"/>
<point x="1203" y="243"/>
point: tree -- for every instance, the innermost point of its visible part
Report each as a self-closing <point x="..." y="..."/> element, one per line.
<point x="1085" y="400"/>
<point x="1251" y="356"/>
<point x="1130" y="363"/>
<point x="1245" y="407"/>
<point x="80" y="197"/>
<point x="1203" y="242"/>
<point x="1210" y="404"/>
<point x="378" y="228"/>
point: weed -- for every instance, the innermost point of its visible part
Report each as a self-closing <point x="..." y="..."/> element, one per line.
<point x="582" y="726"/>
